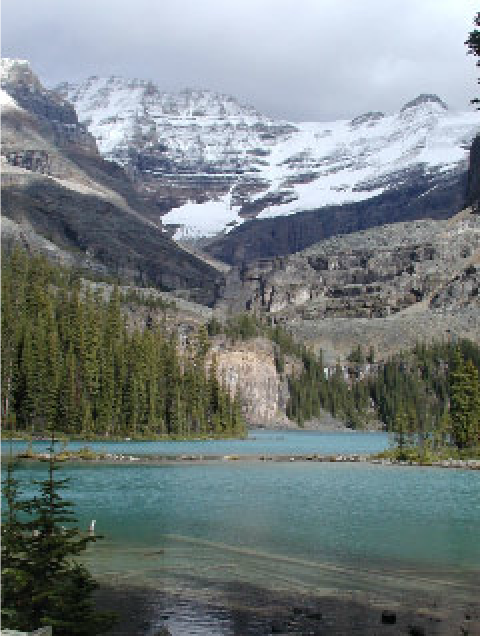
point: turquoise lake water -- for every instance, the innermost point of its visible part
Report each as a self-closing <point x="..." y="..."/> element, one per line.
<point x="258" y="442"/>
<point x="287" y="526"/>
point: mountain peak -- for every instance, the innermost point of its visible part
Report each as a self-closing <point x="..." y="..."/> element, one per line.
<point x="207" y="160"/>
<point x="117" y="93"/>
<point x="18" y="72"/>
<point x="424" y="99"/>
<point x="25" y="90"/>
<point x="10" y="65"/>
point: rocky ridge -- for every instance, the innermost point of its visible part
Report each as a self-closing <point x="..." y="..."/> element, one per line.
<point x="56" y="187"/>
<point x="367" y="274"/>
<point x="386" y="286"/>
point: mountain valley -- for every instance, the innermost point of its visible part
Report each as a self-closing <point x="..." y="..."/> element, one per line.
<point x="97" y="193"/>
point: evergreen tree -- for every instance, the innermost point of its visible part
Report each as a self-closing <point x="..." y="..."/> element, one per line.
<point x="401" y="430"/>
<point x="473" y="44"/>
<point x="460" y="403"/>
<point x="474" y="399"/>
<point x="71" y="363"/>
<point x="16" y="577"/>
<point x="44" y="583"/>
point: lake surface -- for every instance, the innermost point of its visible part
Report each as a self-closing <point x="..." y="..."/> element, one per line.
<point x="258" y="442"/>
<point x="203" y="529"/>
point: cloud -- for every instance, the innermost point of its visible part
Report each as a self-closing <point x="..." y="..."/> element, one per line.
<point x="303" y="59"/>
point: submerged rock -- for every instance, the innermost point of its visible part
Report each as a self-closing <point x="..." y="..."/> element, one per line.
<point x="278" y="627"/>
<point x="417" y="630"/>
<point x="314" y="615"/>
<point x="389" y="617"/>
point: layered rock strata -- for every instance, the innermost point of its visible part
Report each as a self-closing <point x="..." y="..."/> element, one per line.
<point x="385" y="287"/>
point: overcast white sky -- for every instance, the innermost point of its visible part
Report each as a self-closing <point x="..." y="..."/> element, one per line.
<point x="293" y="59"/>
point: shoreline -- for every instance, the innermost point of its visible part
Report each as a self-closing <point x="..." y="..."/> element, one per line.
<point x="165" y="460"/>
<point x="243" y="609"/>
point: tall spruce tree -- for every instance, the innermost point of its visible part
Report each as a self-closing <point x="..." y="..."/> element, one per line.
<point x="70" y="362"/>
<point x="473" y="44"/>
<point x="460" y="401"/>
<point x="16" y="577"/>
<point x="45" y="585"/>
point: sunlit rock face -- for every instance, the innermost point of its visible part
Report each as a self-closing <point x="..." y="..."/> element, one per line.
<point x="248" y="370"/>
<point x="23" y="91"/>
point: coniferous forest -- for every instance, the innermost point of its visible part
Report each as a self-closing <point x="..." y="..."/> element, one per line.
<point x="431" y="391"/>
<point x="70" y="363"/>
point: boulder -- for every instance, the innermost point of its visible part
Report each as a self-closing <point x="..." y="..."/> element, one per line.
<point x="389" y="617"/>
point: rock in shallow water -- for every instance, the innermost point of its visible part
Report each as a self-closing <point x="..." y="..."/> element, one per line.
<point x="389" y="617"/>
<point x="278" y="627"/>
<point x="417" y="630"/>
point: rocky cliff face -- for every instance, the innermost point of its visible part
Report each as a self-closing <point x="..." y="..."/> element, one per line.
<point x="249" y="369"/>
<point x="367" y="274"/>
<point x="64" y="129"/>
<point x="57" y="188"/>
<point x="416" y="197"/>
<point x="212" y="164"/>
<point x="383" y="287"/>
<point x="462" y="291"/>
<point x="473" y="185"/>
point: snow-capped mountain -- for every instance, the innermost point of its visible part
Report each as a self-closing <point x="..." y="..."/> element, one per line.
<point x="61" y="198"/>
<point x="211" y="163"/>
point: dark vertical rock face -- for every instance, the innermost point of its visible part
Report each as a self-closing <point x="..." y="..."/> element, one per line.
<point x="473" y="184"/>
<point x="423" y="197"/>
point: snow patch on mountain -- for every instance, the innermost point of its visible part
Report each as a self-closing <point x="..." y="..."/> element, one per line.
<point x="196" y="144"/>
<point x="198" y="220"/>
<point x="7" y="102"/>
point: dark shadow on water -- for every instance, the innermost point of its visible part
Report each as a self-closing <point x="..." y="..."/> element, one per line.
<point x="243" y="609"/>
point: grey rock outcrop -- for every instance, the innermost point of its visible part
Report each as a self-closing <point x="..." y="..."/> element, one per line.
<point x="19" y="81"/>
<point x="248" y="368"/>
<point x="385" y="287"/>
<point x="367" y="274"/>
<point x="462" y="291"/>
